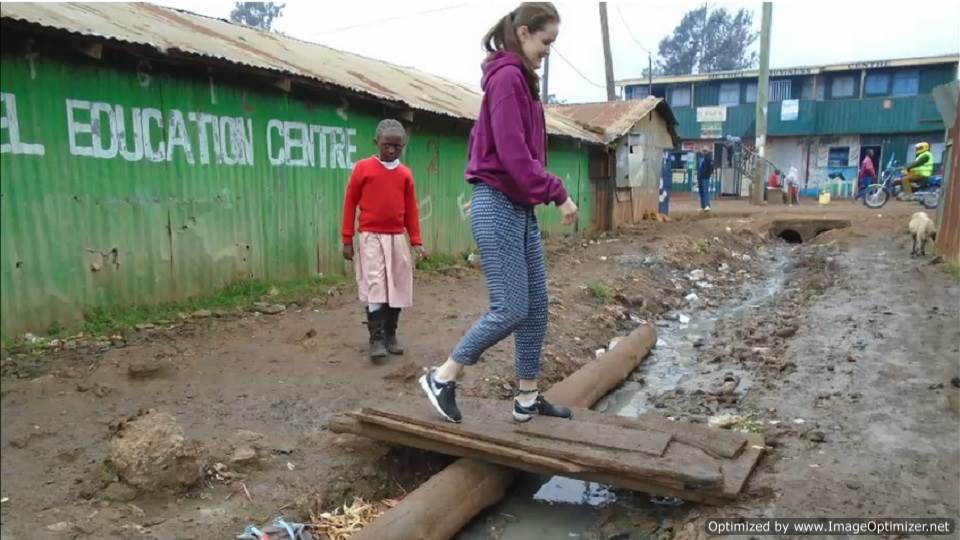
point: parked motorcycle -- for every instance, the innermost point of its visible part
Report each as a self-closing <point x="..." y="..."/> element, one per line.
<point x="891" y="185"/>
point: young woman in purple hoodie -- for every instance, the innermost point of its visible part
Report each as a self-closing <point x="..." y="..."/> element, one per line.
<point x="507" y="167"/>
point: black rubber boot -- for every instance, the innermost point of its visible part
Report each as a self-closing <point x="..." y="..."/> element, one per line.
<point x="390" y="331"/>
<point x="375" y="321"/>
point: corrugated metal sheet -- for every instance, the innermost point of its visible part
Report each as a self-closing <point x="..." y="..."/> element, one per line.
<point x="613" y="119"/>
<point x="117" y="217"/>
<point x="170" y="31"/>
<point x="801" y="70"/>
<point x="948" y="218"/>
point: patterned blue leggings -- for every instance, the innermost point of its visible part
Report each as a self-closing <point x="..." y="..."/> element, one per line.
<point x="512" y="257"/>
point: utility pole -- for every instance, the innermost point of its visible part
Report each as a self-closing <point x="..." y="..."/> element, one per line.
<point x="607" y="56"/>
<point x="760" y="137"/>
<point x="545" y="87"/>
<point x="650" y="73"/>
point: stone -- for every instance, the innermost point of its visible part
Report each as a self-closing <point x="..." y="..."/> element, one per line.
<point x="202" y="314"/>
<point x="119" y="492"/>
<point x="145" y="368"/>
<point x="244" y="455"/>
<point x="151" y="453"/>
<point x="271" y="309"/>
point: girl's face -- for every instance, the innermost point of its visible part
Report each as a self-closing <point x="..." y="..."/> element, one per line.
<point x="390" y="145"/>
<point x="536" y="45"/>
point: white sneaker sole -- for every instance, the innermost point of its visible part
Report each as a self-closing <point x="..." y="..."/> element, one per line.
<point x="520" y="417"/>
<point x="425" y="384"/>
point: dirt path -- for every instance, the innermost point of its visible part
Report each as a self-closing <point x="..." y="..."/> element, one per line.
<point x="281" y="377"/>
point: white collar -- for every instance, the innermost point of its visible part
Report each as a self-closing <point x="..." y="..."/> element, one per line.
<point x="390" y="165"/>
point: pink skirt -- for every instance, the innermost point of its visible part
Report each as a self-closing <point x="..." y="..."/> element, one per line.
<point x="384" y="269"/>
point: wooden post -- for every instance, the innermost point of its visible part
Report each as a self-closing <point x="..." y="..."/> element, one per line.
<point x="760" y="139"/>
<point x="443" y="505"/>
<point x="607" y="55"/>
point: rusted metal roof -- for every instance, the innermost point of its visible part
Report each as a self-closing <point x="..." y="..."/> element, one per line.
<point x="171" y="31"/>
<point x="613" y="119"/>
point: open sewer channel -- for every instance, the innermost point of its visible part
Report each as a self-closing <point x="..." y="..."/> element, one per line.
<point x="547" y="508"/>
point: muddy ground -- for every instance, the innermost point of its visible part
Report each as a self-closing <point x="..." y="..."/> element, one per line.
<point x="861" y="345"/>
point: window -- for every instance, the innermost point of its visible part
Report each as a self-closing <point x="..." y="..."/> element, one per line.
<point x="680" y="96"/>
<point x="636" y="91"/>
<point x="906" y="83"/>
<point x="730" y="94"/>
<point x="751" y="96"/>
<point x="839" y="156"/>
<point x="780" y="90"/>
<point x="877" y="84"/>
<point x="843" y="87"/>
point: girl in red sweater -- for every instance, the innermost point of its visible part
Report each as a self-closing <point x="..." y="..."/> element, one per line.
<point x="383" y="189"/>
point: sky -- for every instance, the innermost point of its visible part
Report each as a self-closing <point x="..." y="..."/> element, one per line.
<point x="443" y="37"/>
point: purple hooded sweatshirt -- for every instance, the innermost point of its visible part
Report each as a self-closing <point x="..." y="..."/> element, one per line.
<point x="508" y="143"/>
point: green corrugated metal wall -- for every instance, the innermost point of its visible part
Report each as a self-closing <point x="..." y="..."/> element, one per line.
<point x="80" y="231"/>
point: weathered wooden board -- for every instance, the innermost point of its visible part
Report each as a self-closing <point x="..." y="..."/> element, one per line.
<point x="653" y="443"/>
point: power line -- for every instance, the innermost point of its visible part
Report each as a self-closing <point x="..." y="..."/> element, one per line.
<point x="629" y="32"/>
<point x="573" y="67"/>
<point x="393" y="18"/>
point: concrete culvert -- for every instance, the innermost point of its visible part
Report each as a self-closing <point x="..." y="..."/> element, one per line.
<point x="798" y="231"/>
<point x="790" y="236"/>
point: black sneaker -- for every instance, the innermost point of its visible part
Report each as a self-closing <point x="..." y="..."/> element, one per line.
<point x="443" y="396"/>
<point x="540" y="407"/>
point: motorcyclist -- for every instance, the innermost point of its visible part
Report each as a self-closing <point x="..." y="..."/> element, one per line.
<point x="919" y="170"/>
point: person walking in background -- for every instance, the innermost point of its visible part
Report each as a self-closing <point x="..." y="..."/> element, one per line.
<point x="868" y="174"/>
<point x="704" y="172"/>
<point x="793" y="186"/>
<point x="383" y="188"/>
<point x="506" y="165"/>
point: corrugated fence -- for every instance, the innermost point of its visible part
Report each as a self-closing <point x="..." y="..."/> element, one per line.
<point x="123" y="187"/>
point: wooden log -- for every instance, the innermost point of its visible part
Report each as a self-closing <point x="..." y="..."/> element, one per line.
<point x="443" y="505"/>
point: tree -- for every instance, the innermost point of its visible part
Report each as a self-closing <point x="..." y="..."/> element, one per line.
<point x="552" y="99"/>
<point x="708" y="41"/>
<point x="256" y="14"/>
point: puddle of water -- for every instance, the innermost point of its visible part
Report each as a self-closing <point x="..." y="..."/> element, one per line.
<point x="541" y="507"/>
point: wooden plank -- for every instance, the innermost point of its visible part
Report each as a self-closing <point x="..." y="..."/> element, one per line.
<point x="716" y="442"/>
<point x="492" y="426"/>
<point x="653" y="443"/>
<point x="488" y="447"/>
<point x="736" y="472"/>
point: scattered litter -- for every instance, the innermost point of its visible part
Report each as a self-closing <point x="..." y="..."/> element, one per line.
<point x="814" y="466"/>
<point x="758" y="447"/>
<point x="799" y="421"/>
<point x="761" y="349"/>
<point x="613" y="343"/>
<point x="5" y="500"/>
<point x="30" y="338"/>
<point x="280" y="529"/>
<point x="290" y="466"/>
<point x="683" y="319"/>
<point x="599" y="352"/>
<point x="773" y="422"/>
<point x="603" y="258"/>
<point x="666" y="501"/>
<point x="724" y="421"/>
<point x="729" y="230"/>
<point x="704" y="285"/>
<point x="576" y="339"/>
<point x="635" y="319"/>
<point x="696" y="275"/>
<point x="346" y="521"/>
<point x="724" y="267"/>
<point x="692" y="297"/>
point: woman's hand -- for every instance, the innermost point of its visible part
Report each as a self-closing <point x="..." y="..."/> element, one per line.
<point x="569" y="211"/>
<point x="422" y="253"/>
<point x="348" y="252"/>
